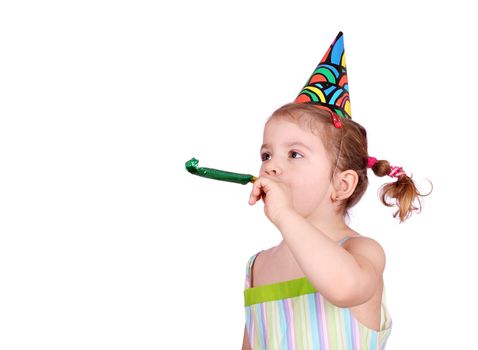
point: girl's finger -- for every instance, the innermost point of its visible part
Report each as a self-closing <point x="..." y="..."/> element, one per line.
<point x="255" y="193"/>
<point x="253" y="197"/>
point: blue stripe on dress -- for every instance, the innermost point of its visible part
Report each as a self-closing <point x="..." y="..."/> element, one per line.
<point x="260" y="325"/>
<point x="347" y="329"/>
<point x="319" y="322"/>
<point x="282" y="325"/>
<point x="248" y="319"/>
<point x="373" y="341"/>
<point x="313" y="321"/>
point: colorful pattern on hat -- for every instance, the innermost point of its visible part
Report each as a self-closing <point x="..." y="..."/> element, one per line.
<point x="328" y="86"/>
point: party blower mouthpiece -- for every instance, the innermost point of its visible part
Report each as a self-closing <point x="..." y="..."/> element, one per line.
<point x="192" y="167"/>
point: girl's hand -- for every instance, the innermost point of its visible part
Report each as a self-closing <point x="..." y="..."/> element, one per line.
<point x="275" y="194"/>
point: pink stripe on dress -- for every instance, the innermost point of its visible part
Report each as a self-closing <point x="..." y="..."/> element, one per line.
<point x="293" y="343"/>
<point x="319" y="321"/>
<point x="325" y="326"/>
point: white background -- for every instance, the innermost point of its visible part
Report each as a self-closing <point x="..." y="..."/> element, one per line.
<point x="106" y="242"/>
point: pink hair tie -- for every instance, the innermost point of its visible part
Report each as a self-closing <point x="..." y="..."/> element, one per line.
<point x="371" y="162"/>
<point x="396" y="171"/>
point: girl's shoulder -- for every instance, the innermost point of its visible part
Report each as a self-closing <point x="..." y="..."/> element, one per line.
<point x="368" y="248"/>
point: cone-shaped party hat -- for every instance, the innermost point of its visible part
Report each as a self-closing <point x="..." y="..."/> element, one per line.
<point x="328" y="86"/>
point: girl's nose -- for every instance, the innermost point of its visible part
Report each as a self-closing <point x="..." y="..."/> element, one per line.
<point x="272" y="170"/>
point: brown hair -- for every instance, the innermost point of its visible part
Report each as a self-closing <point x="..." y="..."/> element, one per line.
<point x="347" y="148"/>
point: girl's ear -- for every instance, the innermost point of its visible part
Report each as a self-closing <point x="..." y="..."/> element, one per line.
<point x="345" y="184"/>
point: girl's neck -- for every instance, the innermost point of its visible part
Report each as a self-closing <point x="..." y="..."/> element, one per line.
<point x="335" y="230"/>
<point x="332" y="225"/>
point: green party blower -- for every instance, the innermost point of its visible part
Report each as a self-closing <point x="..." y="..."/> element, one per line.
<point x="192" y="167"/>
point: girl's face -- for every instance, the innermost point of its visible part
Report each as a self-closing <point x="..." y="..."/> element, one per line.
<point x="298" y="158"/>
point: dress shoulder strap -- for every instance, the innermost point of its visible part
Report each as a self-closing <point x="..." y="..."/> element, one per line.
<point x="250" y="263"/>
<point x="345" y="239"/>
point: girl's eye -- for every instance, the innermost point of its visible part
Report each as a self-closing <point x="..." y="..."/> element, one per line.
<point x="265" y="156"/>
<point x="296" y="155"/>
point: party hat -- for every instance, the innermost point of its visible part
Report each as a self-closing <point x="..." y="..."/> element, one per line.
<point x="328" y="86"/>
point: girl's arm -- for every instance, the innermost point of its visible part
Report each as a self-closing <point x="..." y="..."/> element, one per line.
<point x="344" y="277"/>
<point x="245" y="341"/>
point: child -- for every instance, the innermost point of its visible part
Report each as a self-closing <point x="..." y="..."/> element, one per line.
<point x="322" y="286"/>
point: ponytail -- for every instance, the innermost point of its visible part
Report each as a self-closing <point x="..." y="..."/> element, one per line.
<point x="401" y="193"/>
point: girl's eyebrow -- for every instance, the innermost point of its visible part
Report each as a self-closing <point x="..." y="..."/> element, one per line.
<point x="297" y="143"/>
<point x="289" y="144"/>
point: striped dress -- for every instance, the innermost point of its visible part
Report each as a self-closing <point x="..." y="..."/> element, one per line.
<point x="292" y="315"/>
